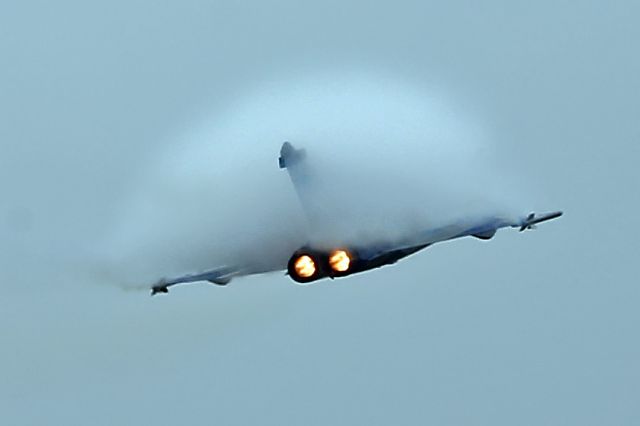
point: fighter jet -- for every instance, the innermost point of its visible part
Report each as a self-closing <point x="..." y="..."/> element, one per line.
<point x="313" y="261"/>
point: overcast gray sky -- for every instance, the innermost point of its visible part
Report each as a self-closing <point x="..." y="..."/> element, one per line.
<point x="534" y="328"/>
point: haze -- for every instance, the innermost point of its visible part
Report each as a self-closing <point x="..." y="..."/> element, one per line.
<point x="138" y="140"/>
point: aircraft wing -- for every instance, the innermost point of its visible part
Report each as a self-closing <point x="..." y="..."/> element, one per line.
<point x="482" y="228"/>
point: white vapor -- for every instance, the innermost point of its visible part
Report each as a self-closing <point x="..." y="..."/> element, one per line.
<point x="389" y="158"/>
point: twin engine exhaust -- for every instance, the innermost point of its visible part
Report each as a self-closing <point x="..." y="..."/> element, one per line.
<point x="307" y="265"/>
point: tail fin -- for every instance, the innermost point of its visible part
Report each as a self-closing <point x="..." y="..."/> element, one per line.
<point x="302" y="178"/>
<point x="290" y="157"/>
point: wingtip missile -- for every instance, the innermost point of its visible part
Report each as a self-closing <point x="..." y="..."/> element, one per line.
<point x="532" y="219"/>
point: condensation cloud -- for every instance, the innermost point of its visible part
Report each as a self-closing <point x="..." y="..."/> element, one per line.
<point x="387" y="158"/>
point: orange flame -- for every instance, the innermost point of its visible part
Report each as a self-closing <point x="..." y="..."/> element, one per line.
<point x="305" y="266"/>
<point x="340" y="261"/>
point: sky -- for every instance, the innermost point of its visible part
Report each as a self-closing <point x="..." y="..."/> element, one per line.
<point x="104" y="105"/>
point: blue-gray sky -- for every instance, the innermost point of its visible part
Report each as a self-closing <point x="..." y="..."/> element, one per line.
<point x="534" y="328"/>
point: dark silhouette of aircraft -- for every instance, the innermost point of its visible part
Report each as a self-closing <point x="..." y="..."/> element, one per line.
<point x="314" y="262"/>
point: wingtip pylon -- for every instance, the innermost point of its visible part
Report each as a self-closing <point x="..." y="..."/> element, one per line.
<point x="159" y="288"/>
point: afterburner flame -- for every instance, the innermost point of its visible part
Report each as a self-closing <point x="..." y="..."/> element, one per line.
<point x="305" y="266"/>
<point x="339" y="261"/>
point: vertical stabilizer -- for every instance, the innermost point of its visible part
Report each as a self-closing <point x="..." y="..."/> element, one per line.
<point x="296" y="163"/>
